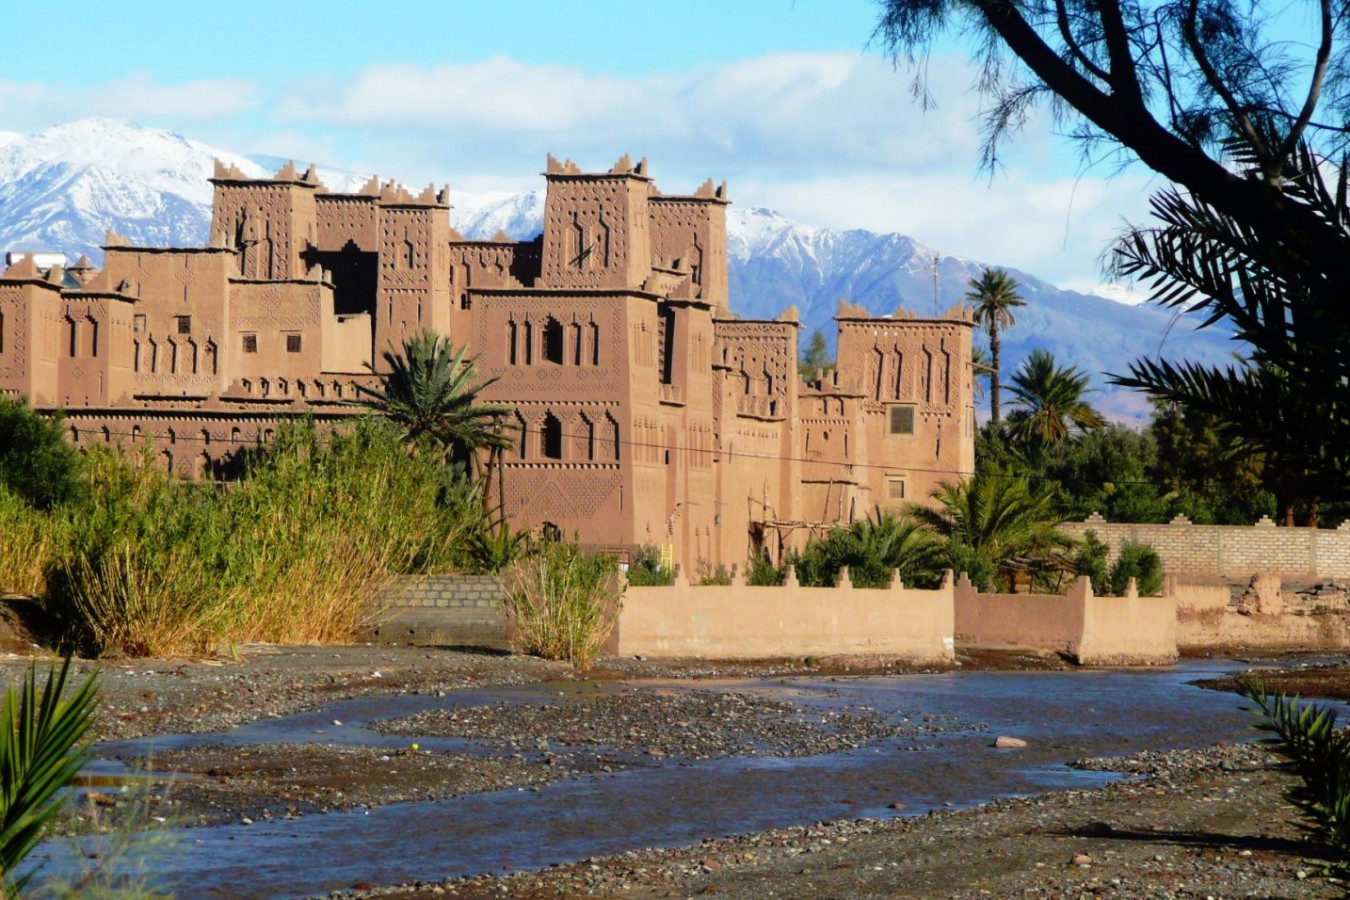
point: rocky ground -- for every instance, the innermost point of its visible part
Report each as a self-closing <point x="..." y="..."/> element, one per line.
<point x="1199" y="823"/>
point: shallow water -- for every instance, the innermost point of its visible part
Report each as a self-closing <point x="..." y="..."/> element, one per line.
<point x="1062" y="715"/>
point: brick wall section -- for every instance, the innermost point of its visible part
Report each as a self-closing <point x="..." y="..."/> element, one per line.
<point x="444" y="592"/>
<point x="1232" y="550"/>
<point x="450" y="610"/>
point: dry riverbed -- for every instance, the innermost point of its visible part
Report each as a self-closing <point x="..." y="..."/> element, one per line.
<point x="1198" y="823"/>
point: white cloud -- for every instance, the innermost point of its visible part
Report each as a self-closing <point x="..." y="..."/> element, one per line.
<point x="32" y="106"/>
<point x="836" y="110"/>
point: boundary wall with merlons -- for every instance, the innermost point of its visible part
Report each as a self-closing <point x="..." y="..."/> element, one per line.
<point x="1094" y="631"/>
<point x="1295" y="554"/>
<point x="738" y="621"/>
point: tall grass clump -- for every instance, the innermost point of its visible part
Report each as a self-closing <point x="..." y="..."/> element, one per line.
<point x="291" y="553"/>
<point x="29" y="540"/>
<point x="564" y="603"/>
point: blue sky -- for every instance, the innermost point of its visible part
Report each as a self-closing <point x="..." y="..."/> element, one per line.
<point x="780" y="97"/>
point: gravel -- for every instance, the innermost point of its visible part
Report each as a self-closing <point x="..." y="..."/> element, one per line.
<point x="690" y="724"/>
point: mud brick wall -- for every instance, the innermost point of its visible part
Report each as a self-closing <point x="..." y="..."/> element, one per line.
<point x="1296" y="554"/>
<point x="452" y="610"/>
<point x="737" y="621"/>
<point x="1095" y="631"/>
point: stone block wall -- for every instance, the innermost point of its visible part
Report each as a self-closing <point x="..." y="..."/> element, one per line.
<point x="444" y="592"/>
<point x="450" y="610"/>
<point x="1296" y="554"/>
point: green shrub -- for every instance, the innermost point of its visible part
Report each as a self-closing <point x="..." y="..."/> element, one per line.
<point x="759" y="572"/>
<point x="708" y="574"/>
<point x="645" y="569"/>
<point x="564" y="603"/>
<point x="1090" y="560"/>
<point x="1140" y="562"/>
<point x="982" y="571"/>
<point x="871" y="549"/>
<point x="36" y="462"/>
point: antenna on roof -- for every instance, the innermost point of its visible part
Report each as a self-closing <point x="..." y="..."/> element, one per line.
<point x="935" y="285"/>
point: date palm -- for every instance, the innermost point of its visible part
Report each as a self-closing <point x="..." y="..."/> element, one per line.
<point x="995" y="296"/>
<point x="431" y="391"/>
<point x="42" y="749"/>
<point x="996" y="524"/>
<point x="1050" y="404"/>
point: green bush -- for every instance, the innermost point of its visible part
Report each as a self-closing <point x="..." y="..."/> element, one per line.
<point x="759" y="572"/>
<point x="708" y="574"/>
<point x="1140" y="562"/>
<point x="36" y="462"/>
<point x="645" y="569"/>
<point x="871" y="549"/>
<point x="564" y="603"/>
<point x="1091" y="561"/>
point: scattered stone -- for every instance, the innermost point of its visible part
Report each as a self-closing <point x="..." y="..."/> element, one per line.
<point x="1005" y="742"/>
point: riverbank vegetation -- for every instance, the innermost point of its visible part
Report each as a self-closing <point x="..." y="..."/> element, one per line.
<point x="139" y="562"/>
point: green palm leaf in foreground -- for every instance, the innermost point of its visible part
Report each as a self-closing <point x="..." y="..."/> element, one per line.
<point x="42" y="748"/>
<point x="1306" y="737"/>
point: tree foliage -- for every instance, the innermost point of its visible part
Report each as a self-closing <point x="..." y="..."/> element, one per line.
<point x="815" y="356"/>
<point x="36" y="463"/>
<point x="997" y="522"/>
<point x="1217" y="97"/>
<point x="994" y="295"/>
<point x="1049" y="402"/>
<point x="872" y="549"/>
<point x="432" y="393"/>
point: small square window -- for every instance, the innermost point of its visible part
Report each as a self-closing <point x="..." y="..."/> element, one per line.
<point x="292" y="343"/>
<point x="895" y="488"/>
<point x="184" y="324"/>
<point x="902" y="419"/>
<point x="250" y="343"/>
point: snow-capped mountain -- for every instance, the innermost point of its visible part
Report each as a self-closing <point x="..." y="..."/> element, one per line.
<point x="62" y="188"/>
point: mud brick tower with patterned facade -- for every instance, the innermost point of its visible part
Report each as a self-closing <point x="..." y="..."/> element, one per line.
<point x="645" y="411"/>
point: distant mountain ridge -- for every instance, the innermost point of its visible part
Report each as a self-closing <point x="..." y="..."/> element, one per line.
<point x="61" y="189"/>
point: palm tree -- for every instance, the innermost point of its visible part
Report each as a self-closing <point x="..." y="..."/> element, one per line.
<point x="995" y="296"/>
<point x="872" y="548"/>
<point x="1050" y="404"/>
<point x="42" y="749"/>
<point x="995" y="523"/>
<point x="432" y="392"/>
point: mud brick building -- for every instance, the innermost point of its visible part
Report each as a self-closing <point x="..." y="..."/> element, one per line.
<point x="646" y="412"/>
